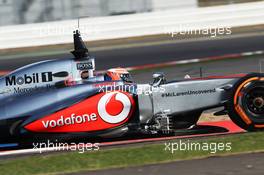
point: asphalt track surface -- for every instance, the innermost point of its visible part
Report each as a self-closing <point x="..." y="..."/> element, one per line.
<point x="157" y="53"/>
<point x="231" y="66"/>
<point x="244" y="164"/>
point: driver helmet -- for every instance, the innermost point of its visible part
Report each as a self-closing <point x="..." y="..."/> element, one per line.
<point x="119" y="74"/>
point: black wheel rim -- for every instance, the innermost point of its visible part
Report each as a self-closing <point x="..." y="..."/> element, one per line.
<point x="255" y="101"/>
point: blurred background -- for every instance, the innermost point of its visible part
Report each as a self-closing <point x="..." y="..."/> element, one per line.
<point x="131" y="33"/>
<point x="35" y="11"/>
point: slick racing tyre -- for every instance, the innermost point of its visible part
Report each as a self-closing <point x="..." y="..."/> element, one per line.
<point x="246" y="105"/>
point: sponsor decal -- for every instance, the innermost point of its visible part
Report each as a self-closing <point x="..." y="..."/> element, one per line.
<point x="197" y="92"/>
<point x="73" y="119"/>
<point x="84" y="66"/>
<point x="29" y="79"/>
<point x="100" y="112"/>
<point x="109" y="108"/>
<point x="19" y="90"/>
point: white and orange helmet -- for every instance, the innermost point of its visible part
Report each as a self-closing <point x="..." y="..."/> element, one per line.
<point x="117" y="74"/>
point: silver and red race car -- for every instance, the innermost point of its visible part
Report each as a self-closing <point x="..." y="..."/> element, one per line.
<point x="63" y="99"/>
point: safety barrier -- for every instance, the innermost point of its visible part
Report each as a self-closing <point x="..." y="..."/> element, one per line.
<point x="124" y="26"/>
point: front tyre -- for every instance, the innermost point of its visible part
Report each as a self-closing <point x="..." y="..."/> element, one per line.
<point x="246" y="106"/>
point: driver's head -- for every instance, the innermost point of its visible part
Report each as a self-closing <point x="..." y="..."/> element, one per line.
<point x="117" y="74"/>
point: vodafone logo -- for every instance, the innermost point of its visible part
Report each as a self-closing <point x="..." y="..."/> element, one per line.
<point x="114" y="107"/>
<point x="97" y="113"/>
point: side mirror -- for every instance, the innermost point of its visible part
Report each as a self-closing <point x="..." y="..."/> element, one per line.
<point x="158" y="79"/>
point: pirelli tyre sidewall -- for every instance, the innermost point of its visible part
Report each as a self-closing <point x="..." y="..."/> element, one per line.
<point x="246" y="105"/>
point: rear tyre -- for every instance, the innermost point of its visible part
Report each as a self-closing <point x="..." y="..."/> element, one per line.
<point x="246" y="105"/>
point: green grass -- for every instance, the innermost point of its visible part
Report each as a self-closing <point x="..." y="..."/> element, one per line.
<point x="125" y="157"/>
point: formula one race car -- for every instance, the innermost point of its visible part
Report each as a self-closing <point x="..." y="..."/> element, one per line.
<point x="63" y="99"/>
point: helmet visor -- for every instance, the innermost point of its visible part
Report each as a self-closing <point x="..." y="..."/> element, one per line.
<point x="126" y="78"/>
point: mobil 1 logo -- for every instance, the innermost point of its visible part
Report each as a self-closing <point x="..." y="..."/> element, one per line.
<point x="29" y="78"/>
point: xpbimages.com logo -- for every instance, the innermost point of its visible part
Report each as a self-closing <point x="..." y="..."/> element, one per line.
<point x="59" y="146"/>
<point x="187" y="145"/>
<point x="206" y="31"/>
<point x="137" y="89"/>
